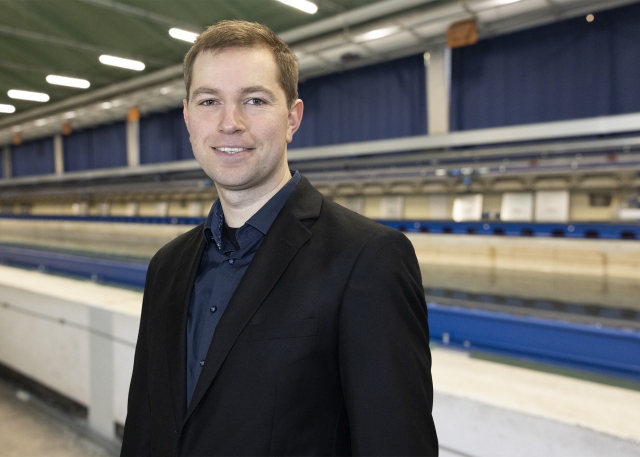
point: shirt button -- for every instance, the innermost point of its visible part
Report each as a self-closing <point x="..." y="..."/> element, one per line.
<point x="202" y="363"/>
<point x="231" y="261"/>
<point x="213" y="309"/>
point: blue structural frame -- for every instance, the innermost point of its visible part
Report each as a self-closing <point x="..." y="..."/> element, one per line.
<point x="605" y="351"/>
<point x="95" y="269"/>
<point x="592" y="230"/>
<point x="107" y="219"/>
<point x="541" y="229"/>
<point x="600" y="350"/>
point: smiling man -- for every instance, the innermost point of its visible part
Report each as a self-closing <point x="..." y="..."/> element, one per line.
<point x="285" y="324"/>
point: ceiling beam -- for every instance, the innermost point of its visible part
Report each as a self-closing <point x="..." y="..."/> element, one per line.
<point x="42" y="70"/>
<point x="143" y="14"/>
<point x="350" y="18"/>
<point x="72" y="44"/>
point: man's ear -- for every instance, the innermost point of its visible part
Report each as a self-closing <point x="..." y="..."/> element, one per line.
<point x="185" y="114"/>
<point x="295" y="118"/>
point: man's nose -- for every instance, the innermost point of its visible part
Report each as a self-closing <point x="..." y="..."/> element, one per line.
<point x="231" y="119"/>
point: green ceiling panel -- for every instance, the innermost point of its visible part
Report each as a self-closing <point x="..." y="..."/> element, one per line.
<point x="66" y="37"/>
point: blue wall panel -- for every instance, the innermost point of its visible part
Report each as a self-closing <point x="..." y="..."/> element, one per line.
<point x="566" y="70"/>
<point x="386" y="100"/>
<point x="164" y="138"/>
<point x="100" y="147"/>
<point x="33" y="158"/>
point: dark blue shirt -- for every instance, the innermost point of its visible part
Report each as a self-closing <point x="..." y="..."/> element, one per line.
<point x="224" y="262"/>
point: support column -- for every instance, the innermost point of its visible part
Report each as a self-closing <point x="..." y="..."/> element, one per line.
<point x="438" y="66"/>
<point x="133" y="137"/>
<point x="58" y="154"/>
<point x="101" y="372"/>
<point x="6" y="162"/>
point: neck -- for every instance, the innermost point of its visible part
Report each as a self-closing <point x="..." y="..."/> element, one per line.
<point x="239" y="205"/>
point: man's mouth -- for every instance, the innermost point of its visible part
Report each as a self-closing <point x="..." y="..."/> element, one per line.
<point x="230" y="151"/>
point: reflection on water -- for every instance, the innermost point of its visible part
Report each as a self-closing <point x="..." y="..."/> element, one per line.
<point x="591" y="300"/>
<point x="586" y="290"/>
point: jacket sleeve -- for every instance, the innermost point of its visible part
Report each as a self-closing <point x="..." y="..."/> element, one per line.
<point x="385" y="362"/>
<point x="136" y="440"/>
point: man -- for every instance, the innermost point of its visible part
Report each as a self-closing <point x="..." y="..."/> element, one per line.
<point x="286" y="324"/>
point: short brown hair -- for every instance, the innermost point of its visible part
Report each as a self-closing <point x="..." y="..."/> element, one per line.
<point x="243" y="34"/>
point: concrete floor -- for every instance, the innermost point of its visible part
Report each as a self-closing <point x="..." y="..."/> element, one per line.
<point x="31" y="428"/>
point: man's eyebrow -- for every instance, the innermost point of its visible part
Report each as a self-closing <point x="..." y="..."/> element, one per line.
<point x="253" y="89"/>
<point x="203" y="91"/>
<point x="243" y="91"/>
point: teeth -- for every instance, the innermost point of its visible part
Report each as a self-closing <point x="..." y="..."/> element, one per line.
<point x="230" y="150"/>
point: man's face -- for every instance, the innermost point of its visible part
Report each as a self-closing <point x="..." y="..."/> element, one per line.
<point x="238" y="119"/>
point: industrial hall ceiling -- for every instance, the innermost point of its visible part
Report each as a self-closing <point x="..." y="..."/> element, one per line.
<point x="40" y="39"/>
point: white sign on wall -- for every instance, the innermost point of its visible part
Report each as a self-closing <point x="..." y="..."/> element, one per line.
<point x="438" y="207"/>
<point x="195" y="208"/>
<point x="552" y="206"/>
<point x="162" y="209"/>
<point x="391" y="207"/>
<point x="354" y="204"/>
<point x="516" y="206"/>
<point x="467" y="208"/>
<point x="132" y="209"/>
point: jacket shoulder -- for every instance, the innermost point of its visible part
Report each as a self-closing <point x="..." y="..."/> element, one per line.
<point x="347" y="221"/>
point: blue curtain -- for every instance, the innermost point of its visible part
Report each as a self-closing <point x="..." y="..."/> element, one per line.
<point x="386" y="100"/>
<point x="33" y="158"/>
<point x="164" y="138"/>
<point x="104" y="146"/>
<point x="566" y="70"/>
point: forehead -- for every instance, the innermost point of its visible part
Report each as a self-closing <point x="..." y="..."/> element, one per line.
<point x="235" y="65"/>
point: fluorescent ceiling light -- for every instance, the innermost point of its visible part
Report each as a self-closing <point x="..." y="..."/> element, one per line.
<point x="487" y="4"/>
<point x="495" y="3"/>
<point x="302" y="5"/>
<point x="7" y="108"/>
<point x="183" y="35"/>
<point x="375" y="34"/>
<point x="26" y="95"/>
<point x="69" y="82"/>
<point x="122" y="63"/>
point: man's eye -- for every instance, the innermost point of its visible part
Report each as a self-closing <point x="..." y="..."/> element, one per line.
<point x="256" y="101"/>
<point x="207" y="102"/>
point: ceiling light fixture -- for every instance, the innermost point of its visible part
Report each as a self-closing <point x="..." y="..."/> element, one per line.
<point x="302" y="5"/>
<point x="26" y="95"/>
<point x="183" y="35"/>
<point x="376" y="34"/>
<point x="7" y="109"/>
<point x="122" y="63"/>
<point x="69" y="82"/>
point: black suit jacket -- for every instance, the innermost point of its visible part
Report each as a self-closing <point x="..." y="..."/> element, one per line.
<point x="323" y="349"/>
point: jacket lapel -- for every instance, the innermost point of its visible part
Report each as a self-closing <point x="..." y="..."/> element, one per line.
<point x="285" y="237"/>
<point x="181" y="288"/>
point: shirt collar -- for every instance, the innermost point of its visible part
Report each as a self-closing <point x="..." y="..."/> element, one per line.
<point x="261" y="220"/>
